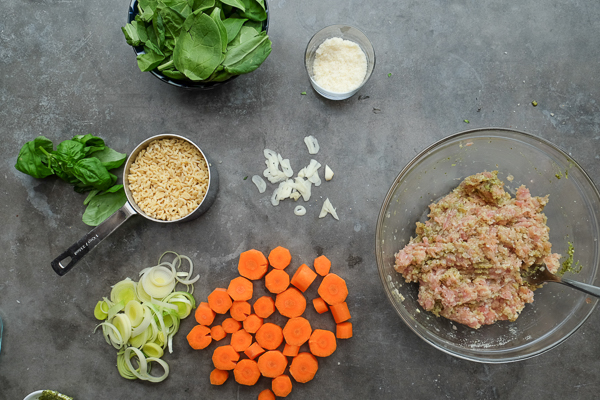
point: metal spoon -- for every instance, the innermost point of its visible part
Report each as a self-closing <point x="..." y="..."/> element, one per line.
<point x="540" y="274"/>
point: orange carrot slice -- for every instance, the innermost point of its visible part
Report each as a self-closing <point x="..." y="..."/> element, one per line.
<point x="241" y="340"/>
<point x="272" y="363"/>
<point x="303" y="277"/>
<point x="290" y="303"/>
<point x="304" y="367"/>
<point x="281" y="386"/>
<point x="218" y="376"/>
<point x="246" y="372"/>
<point x="333" y="289"/>
<point x="343" y="330"/>
<point x="240" y="310"/>
<point x="322" y="265"/>
<point x="264" y="306"/>
<point x="230" y="325"/>
<point x="290" y="350"/>
<point x="240" y="289"/>
<point x="254" y="351"/>
<point x="280" y="257"/>
<point x="269" y="336"/>
<point x="297" y="331"/>
<point x="277" y="281"/>
<point x="252" y="264"/>
<point x="199" y="337"/>
<point x="266" y="394"/>
<point x="252" y="323"/>
<point x="217" y="332"/>
<point x="340" y="312"/>
<point x="219" y="301"/>
<point x="320" y="305"/>
<point x="322" y="343"/>
<point x="204" y="314"/>
<point x="225" y="357"/>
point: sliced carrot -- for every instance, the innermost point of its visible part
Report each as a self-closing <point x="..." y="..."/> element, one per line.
<point x="240" y="289"/>
<point x="304" y="367"/>
<point x="204" y="314"/>
<point x="277" y="281"/>
<point x="290" y="303"/>
<point x="272" y="363"/>
<point x="333" y="289"/>
<point x="252" y="323"/>
<point x="303" y="277"/>
<point x="269" y="336"/>
<point x="252" y="264"/>
<point x="254" y="351"/>
<point x="264" y="306"/>
<point x="320" y="305"/>
<point x="241" y="340"/>
<point x="218" y="376"/>
<point x="322" y="343"/>
<point x="280" y="257"/>
<point x="290" y="350"/>
<point x="266" y="395"/>
<point x="343" y="330"/>
<point x="199" y="337"/>
<point x="240" y="310"/>
<point x="246" y="372"/>
<point x="219" y="301"/>
<point x="217" y="332"/>
<point x="322" y="265"/>
<point x="281" y="386"/>
<point x="340" y="312"/>
<point x="230" y="325"/>
<point x="297" y="331"/>
<point x="225" y="357"/>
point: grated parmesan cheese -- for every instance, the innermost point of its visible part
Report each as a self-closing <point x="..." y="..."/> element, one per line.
<point x="340" y="65"/>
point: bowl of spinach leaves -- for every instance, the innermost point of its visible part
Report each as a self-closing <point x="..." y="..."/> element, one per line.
<point x="198" y="44"/>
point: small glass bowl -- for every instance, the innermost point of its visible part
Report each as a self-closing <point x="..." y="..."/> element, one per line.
<point x="345" y="32"/>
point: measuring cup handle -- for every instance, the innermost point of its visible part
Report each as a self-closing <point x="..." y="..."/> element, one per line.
<point x="83" y="246"/>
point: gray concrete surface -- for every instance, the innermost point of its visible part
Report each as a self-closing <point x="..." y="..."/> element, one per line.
<point x="65" y="69"/>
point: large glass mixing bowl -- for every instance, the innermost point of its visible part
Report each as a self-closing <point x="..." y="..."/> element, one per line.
<point x="572" y="211"/>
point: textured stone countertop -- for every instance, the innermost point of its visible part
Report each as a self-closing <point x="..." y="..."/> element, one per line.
<point x="65" y="70"/>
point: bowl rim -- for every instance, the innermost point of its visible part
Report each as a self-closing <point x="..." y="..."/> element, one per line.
<point x="379" y="258"/>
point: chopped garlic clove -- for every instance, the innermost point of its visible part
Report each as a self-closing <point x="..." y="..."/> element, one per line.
<point x="299" y="210"/>
<point x="328" y="208"/>
<point x="260" y="183"/>
<point x="328" y="173"/>
<point x="311" y="144"/>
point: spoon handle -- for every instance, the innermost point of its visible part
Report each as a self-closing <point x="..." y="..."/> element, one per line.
<point x="584" y="287"/>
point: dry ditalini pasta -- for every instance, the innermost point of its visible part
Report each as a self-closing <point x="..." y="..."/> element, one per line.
<point x="168" y="179"/>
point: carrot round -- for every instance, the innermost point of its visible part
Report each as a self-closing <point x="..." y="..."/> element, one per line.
<point x="269" y="336"/>
<point x="241" y="340"/>
<point x="303" y="277"/>
<point x="199" y="337"/>
<point x="204" y="314"/>
<point x="304" y="367"/>
<point x="343" y="330"/>
<point x="219" y="301"/>
<point x="252" y="323"/>
<point x="297" y="331"/>
<point x="322" y="265"/>
<point x="277" y="281"/>
<point x="254" y="351"/>
<point x="230" y="325"/>
<point x="280" y="257"/>
<point x="264" y="306"/>
<point x="217" y="332"/>
<point x="322" y="343"/>
<point x="340" y="312"/>
<point x="333" y="289"/>
<point x="218" y="376"/>
<point x="290" y="303"/>
<point x="281" y="386"/>
<point x="240" y="310"/>
<point x="290" y="350"/>
<point x="272" y="364"/>
<point x="225" y="357"/>
<point x="320" y="305"/>
<point x="246" y="372"/>
<point x="240" y="289"/>
<point x="252" y="264"/>
<point x="266" y="394"/>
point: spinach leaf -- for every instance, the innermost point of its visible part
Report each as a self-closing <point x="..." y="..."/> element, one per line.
<point x="159" y="29"/>
<point x="199" y="5"/>
<point x="216" y="16"/>
<point x="245" y="35"/>
<point x="32" y="160"/>
<point x="253" y="10"/>
<point x="149" y="60"/>
<point x="103" y="205"/>
<point x="92" y="174"/>
<point x="235" y="3"/>
<point x="173" y="74"/>
<point x="262" y="4"/>
<point x="233" y="27"/>
<point x="257" y="26"/>
<point x="198" y="51"/>
<point x="110" y="158"/>
<point x="248" y="55"/>
<point x="135" y="33"/>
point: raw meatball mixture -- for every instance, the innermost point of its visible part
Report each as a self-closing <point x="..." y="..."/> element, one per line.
<point x="469" y="255"/>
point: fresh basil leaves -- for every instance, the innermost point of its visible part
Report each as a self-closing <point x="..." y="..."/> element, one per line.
<point x="84" y="162"/>
<point x="194" y="39"/>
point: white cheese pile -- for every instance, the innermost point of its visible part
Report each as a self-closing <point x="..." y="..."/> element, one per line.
<point x="340" y="65"/>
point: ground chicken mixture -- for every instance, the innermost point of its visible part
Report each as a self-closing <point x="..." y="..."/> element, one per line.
<point x="469" y="255"/>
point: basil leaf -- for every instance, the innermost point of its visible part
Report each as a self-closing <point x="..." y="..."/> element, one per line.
<point x="90" y="196"/>
<point x="253" y="10"/>
<point x="70" y="151"/>
<point x="248" y="55"/>
<point x="233" y="27"/>
<point x="235" y="3"/>
<point x="92" y="174"/>
<point x="103" y="205"/>
<point x="216" y="16"/>
<point x="110" y="158"/>
<point x="32" y="160"/>
<point x="92" y="143"/>
<point x="198" y="51"/>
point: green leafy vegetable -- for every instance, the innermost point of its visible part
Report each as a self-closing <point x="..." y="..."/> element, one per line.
<point x="32" y="158"/>
<point x="101" y="206"/>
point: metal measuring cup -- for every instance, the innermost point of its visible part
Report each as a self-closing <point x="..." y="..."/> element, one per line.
<point x="83" y="246"/>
